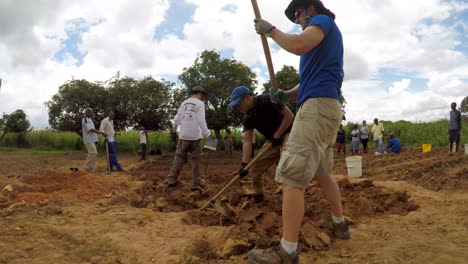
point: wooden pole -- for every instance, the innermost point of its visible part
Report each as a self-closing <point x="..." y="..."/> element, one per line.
<point x="266" y="50"/>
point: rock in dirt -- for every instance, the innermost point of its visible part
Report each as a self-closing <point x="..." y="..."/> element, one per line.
<point x="309" y="236"/>
<point x="345" y="254"/>
<point x="7" y="190"/>
<point x="233" y="247"/>
<point x="324" y="238"/>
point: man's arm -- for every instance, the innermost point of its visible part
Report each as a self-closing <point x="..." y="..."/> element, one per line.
<point x="202" y="122"/>
<point x="459" y="123"/>
<point x="177" y="119"/>
<point x="287" y="120"/>
<point x="247" y="146"/>
<point x="299" y="44"/>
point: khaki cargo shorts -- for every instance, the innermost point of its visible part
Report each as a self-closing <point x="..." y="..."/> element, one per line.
<point x="309" y="149"/>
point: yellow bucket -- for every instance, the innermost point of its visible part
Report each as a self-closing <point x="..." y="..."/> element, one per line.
<point x="426" y="148"/>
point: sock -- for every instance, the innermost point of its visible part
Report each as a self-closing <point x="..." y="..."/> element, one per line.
<point x="289" y="247"/>
<point x="338" y="220"/>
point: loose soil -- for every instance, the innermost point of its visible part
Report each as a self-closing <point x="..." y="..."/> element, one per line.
<point x="407" y="208"/>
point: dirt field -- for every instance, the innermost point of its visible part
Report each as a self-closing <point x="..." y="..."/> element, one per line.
<point x="408" y="208"/>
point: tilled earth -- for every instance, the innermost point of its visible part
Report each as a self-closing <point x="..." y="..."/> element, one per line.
<point x="408" y="208"/>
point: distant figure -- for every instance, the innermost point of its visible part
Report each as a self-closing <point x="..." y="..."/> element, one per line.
<point x="455" y="127"/>
<point x="229" y="142"/>
<point x="394" y="145"/>
<point x="364" y="132"/>
<point x="191" y="119"/>
<point x="355" y="140"/>
<point x="377" y="132"/>
<point x="340" y="140"/>
<point x="107" y="126"/>
<point x="143" y="142"/>
<point x="90" y="139"/>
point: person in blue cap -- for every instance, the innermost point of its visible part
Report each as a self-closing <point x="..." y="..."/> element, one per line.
<point x="308" y="153"/>
<point x="273" y="120"/>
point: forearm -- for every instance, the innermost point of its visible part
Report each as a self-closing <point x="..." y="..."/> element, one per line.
<point x="246" y="151"/>
<point x="285" y="123"/>
<point x="290" y="42"/>
<point x="292" y="93"/>
<point x="96" y="131"/>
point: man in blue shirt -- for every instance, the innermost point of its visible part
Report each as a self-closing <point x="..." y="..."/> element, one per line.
<point x="394" y="145"/>
<point x="308" y="153"/>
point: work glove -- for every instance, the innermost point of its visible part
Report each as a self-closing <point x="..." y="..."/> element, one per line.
<point x="279" y="97"/>
<point x="277" y="141"/>
<point x="263" y="27"/>
<point x="242" y="171"/>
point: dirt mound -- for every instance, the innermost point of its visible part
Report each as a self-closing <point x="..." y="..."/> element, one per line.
<point x="434" y="171"/>
<point x="256" y="224"/>
<point x="37" y="187"/>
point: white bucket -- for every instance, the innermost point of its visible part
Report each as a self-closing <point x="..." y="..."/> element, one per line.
<point x="354" y="164"/>
<point x="466" y="149"/>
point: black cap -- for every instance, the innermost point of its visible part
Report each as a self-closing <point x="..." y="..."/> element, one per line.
<point x="198" y="89"/>
<point x="321" y="9"/>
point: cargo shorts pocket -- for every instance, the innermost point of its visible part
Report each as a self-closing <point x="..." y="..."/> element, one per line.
<point x="294" y="164"/>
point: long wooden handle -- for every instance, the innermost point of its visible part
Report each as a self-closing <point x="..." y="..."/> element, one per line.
<point x="237" y="176"/>
<point x="107" y="155"/>
<point x="266" y="50"/>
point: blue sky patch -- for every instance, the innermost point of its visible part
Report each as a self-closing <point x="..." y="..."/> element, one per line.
<point x="177" y="15"/>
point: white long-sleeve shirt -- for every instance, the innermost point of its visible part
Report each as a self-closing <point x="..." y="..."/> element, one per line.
<point x="107" y="126"/>
<point x="191" y="120"/>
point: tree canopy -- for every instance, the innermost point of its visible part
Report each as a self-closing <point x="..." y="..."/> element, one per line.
<point x="16" y="122"/>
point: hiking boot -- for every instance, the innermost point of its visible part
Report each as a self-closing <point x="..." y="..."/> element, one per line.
<point x="170" y="182"/>
<point x="340" y="230"/>
<point x="273" y="255"/>
<point x="200" y="184"/>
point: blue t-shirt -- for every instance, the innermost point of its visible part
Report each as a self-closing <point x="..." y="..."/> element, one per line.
<point x="321" y="69"/>
<point x="394" y="145"/>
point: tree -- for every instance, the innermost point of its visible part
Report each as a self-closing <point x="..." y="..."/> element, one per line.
<point x="66" y="108"/>
<point x="136" y="103"/>
<point x="16" y="122"/>
<point x="218" y="77"/>
<point x="464" y="108"/>
<point x="286" y="78"/>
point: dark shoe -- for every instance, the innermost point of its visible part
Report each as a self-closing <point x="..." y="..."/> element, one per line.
<point x="170" y="182"/>
<point x="121" y="170"/>
<point x="273" y="255"/>
<point x="258" y="197"/>
<point x="340" y="230"/>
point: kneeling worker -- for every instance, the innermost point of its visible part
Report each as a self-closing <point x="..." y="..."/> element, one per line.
<point x="273" y="120"/>
<point x="394" y="145"/>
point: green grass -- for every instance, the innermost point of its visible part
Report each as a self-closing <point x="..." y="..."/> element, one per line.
<point x="47" y="141"/>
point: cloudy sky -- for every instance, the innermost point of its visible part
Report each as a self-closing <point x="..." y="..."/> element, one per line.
<point x="403" y="59"/>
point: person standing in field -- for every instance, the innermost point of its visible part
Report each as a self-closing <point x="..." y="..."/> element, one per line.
<point x="143" y="142"/>
<point x="107" y="126"/>
<point x="455" y="127"/>
<point x="377" y="134"/>
<point x="191" y="120"/>
<point x="340" y="140"/>
<point x="355" y="140"/>
<point x="273" y="120"/>
<point x="90" y="139"/>
<point x="308" y="153"/>
<point x="229" y="143"/>
<point x="364" y="132"/>
<point x="393" y="145"/>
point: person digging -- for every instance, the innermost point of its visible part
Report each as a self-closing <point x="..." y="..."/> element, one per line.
<point x="191" y="119"/>
<point x="308" y="152"/>
<point x="273" y="120"/>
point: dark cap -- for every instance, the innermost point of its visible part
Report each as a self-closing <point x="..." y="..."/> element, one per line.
<point x="321" y="9"/>
<point x="198" y="89"/>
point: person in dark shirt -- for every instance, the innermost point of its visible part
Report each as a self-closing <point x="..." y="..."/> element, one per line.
<point x="340" y="140"/>
<point x="273" y="120"/>
<point x="454" y="127"/>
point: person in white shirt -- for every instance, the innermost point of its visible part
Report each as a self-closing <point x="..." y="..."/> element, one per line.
<point x="90" y="139"/>
<point x="191" y="120"/>
<point x="107" y="126"/>
<point x="143" y="142"/>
